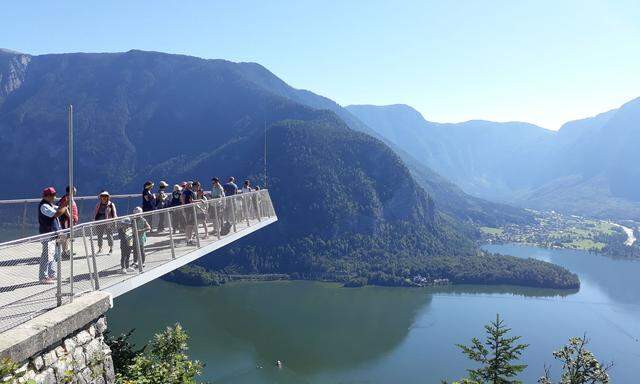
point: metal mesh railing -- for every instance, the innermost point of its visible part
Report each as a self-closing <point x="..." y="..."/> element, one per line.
<point x="19" y="217"/>
<point x="108" y="252"/>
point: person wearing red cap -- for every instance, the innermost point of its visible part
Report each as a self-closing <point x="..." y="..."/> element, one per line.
<point x="48" y="221"/>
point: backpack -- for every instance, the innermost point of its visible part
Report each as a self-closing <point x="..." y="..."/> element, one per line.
<point x="226" y="228"/>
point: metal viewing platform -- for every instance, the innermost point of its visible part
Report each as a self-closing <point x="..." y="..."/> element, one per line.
<point x="217" y="223"/>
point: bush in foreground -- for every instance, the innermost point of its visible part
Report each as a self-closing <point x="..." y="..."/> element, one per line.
<point x="164" y="362"/>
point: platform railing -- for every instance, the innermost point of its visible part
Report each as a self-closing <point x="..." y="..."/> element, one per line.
<point x="109" y="252"/>
<point x="19" y="219"/>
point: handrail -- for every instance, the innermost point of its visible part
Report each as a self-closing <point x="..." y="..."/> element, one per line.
<point x="22" y="296"/>
<point x="79" y="198"/>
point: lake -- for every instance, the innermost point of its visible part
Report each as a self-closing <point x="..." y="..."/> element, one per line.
<point x="324" y="333"/>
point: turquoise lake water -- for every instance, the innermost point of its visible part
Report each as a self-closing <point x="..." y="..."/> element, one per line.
<point x="328" y="334"/>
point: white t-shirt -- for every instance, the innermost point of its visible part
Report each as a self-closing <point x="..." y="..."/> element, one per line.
<point x="48" y="210"/>
<point x="246" y="190"/>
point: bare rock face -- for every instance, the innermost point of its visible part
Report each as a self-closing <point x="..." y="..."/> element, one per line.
<point x="13" y="68"/>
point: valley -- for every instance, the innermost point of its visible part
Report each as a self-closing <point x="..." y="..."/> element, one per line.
<point x="555" y="230"/>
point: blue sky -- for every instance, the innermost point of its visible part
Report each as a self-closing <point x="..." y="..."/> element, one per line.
<point x="544" y="62"/>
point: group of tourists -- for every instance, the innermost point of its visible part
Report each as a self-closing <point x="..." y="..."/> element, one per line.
<point x="132" y="232"/>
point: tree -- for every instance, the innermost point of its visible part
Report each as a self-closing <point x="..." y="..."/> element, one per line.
<point x="495" y="355"/>
<point x="579" y="365"/>
<point x="166" y="361"/>
<point x="123" y="351"/>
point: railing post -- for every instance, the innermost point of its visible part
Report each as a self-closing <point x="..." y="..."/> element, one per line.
<point x="70" y="240"/>
<point x="245" y="207"/>
<point x="260" y="203"/>
<point x="195" y="220"/>
<point x="255" y="203"/>
<point x="86" y="253"/>
<point x="269" y="208"/>
<point x="58" y="270"/>
<point x="173" y="248"/>
<point x="24" y="220"/>
<point x="217" y="227"/>
<point x="136" y="243"/>
<point x="95" y="263"/>
<point x="233" y="212"/>
<point x="91" y="234"/>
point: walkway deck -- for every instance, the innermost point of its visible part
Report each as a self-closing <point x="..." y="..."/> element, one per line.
<point x="22" y="297"/>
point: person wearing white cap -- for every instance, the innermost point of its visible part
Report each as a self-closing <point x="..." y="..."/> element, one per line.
<point x="161" y="202"/>
<point x="105" y="209"/>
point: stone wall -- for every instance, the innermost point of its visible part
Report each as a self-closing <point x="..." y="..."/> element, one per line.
<point x="64" y="345"/>
<point x="81" y="358"/>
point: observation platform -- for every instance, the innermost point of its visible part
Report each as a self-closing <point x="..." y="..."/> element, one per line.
<point x="217" y="222"/>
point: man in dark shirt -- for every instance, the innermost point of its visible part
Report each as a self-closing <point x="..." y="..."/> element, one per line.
<point x="230" y="188"/>
<point x="188" y="196"/>
<point x="148" y="198"/>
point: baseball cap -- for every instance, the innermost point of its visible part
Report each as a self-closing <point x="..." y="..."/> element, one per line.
<point x="49" y="191"/>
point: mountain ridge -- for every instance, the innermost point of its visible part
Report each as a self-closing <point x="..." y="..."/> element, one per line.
<point x="578" y="169"/>
<point x="348" y="205"/>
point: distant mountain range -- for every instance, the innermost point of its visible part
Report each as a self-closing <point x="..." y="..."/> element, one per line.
<point x="349" y="206"/>
<point x="588" y="167"/>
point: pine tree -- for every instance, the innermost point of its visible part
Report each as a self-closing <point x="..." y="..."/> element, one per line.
<point x="496" y="355"/>
<point x="579" y="365"/>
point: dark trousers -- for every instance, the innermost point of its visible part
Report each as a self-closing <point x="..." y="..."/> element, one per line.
<point x="125" y="254"/>
<point x="105" y="229"/>
<point x="161" y="218"/>
<point x="138" y="245"/>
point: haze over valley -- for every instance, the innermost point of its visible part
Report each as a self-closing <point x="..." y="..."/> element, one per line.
<point x="335" y="192"/>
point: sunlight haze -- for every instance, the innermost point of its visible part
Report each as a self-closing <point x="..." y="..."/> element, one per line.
<point x="542" y="62"/>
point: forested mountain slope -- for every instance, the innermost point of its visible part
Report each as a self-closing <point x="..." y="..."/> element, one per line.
<point x="348" y="206"/>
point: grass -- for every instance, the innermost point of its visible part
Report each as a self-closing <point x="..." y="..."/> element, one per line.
<point x="492" y="230"/>
<point x="585" y="245"/>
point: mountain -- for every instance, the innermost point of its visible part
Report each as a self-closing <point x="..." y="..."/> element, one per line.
<point x="581" y="169"/>
<point x="449" y="197"/>
<point x="348" y="205"/>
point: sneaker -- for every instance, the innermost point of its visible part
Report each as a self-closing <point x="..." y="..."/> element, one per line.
<point x="123" y="271"/>
<point x="130" y="269"/>
<point x="47" y="281"/>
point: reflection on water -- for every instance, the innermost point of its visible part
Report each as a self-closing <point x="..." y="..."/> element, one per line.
<point x="325" y="333"/>
<point x="500" y="289"/>
<point x="618" y="278"/>
<point x="306" y="324"/>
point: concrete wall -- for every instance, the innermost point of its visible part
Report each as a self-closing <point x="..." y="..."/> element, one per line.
<point x="65" y="345"/>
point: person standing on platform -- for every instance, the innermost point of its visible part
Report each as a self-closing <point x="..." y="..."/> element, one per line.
<point x="65" y="220"/>
<point x="188" y="197"/>
<point x="162" y="202"/>
<point x="105" y="209"/>
<point x="177" y="216"/>
<point x="48" y="220"/>
<point x="148" y="198"/>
